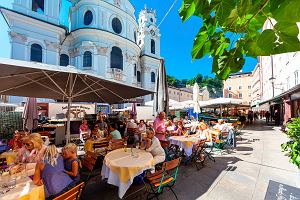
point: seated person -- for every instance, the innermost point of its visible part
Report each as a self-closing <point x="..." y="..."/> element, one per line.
<point x="32" y="151"/>
<point x="152" y="145"/>
<point x="141" y="129"/>
<point x="203" y="132"/>
<point x="51" y="173"/>
<point x="102" y="124"/>
<point x="179" y="129"/>
<point x="84" y="127"/>
<point x="71" y="162"/>
<point x="114" y="134"/>
<point x="96" y="133"/>
<point x="221" y="126"/>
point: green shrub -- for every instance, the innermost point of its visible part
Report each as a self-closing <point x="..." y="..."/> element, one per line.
<point x="293" y="146"/>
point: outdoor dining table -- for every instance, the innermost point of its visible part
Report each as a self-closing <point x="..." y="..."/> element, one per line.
<point x="184" y="142"/>
<point x="120" y="167"/>
<point x="24" y="190"/>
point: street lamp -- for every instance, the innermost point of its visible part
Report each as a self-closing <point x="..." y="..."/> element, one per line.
<point x="272" y="79"/>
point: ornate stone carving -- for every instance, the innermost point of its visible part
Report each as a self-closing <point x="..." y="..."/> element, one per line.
<point x="18" y="36"/>
<point x="52" y="45"/>
<point x="147" y="69"/>
<point x="74" y="52"/>
<point x="102" y="50"/>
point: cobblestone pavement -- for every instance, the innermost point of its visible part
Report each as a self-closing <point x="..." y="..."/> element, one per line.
<point x="243" y="174"/>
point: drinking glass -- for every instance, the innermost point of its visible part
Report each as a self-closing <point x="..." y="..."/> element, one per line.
<point x="12" y="181"/>
<point x="137" y="145"/>
<point x="125" y="146"/>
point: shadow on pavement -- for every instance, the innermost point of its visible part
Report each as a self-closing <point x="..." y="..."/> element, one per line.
<point x="190" y="184"/>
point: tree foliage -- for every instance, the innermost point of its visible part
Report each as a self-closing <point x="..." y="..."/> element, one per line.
<point x="214" y="85"/>
<point x="232" y="29"/>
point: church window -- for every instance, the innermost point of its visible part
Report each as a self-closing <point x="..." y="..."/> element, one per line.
<point x="151" y="19"/>
<point x="36" y="53"/>
<point x="134" y="35"/>
<point x="116" y="58"/>
<point x="38" y="6"/>
<point x="138" y="76"/>
<point x="117" y="25"/>
<point x="88" y="18"/>
<point x="135" y="69"/>
<point x="87" y="59"/>
<point x="152" y="77"/>
<point x="152" y="46"/>
<point x="140" y="42"/>
<point x="64" y="60"/>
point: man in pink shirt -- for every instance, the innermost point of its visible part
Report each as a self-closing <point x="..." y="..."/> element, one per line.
<point x="160" y="127"/>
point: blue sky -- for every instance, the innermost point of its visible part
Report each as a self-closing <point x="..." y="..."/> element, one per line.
<point x="176" y="39"/>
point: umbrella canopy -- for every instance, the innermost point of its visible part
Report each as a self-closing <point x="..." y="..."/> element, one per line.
<point x="30" y="79"/>
<point x="196" y="98"/>
<point x="30" y="114"/>
<point x="222" y="102"/>
<point x="161" y="97"/>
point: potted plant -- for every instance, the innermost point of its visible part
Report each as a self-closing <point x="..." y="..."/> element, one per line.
<point x="293" y="145"/>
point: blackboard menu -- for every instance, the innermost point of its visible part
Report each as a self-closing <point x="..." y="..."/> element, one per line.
<point x="281" y="191"/>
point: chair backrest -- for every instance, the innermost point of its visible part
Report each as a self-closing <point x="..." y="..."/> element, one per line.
<point x="214" y="137"/>
<point x="45" y="133"/>
<point x="170" y="165"/>
<point x="72" y="194"/>
<point x="90" y="160"/>
<point x="102" y="144"/>
<point x="85" y="136"/>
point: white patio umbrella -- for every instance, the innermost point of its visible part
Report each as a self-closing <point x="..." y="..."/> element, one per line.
<point x="30" y="79"/>
<point x="161" y="97"/>
<point x="196" y="99"/>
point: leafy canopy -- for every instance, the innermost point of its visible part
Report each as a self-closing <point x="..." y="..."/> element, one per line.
<point x="232" y="29"/>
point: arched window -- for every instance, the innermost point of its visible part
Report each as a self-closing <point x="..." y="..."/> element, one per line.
<point x="117" y="25"/>
<point x="88" y="18"/>
<point x="138" y="76"/>
<point x="36" y="53"/>
<point x="64" y="60"/>
<point x="152" y="77"/>
<point x="38" y="6"/>
<point x="134" y="69"/>
<point x="134" y="35"/>
<point x="116" y="58"/>
<point x="87" y="59"/>
<point x="151" y="19"/>
<point x="152" y="46"/>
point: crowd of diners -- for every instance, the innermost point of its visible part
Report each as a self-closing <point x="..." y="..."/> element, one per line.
<point x="50" y="165"/>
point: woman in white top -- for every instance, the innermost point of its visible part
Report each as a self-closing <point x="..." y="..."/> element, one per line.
<point x="141" y="129"/>
<point x="152" y="145"/>
<point x="203" y="132"/>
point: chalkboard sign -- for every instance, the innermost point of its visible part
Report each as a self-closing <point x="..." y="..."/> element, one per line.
<point x="280" y="191"/>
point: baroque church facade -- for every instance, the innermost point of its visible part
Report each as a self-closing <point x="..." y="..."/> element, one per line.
<point x="104" y="37"/>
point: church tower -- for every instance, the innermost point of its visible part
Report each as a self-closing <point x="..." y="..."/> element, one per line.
<point x="46" y="10"/>
<point x="149" y="42"/>
<point x="149" y="37"/>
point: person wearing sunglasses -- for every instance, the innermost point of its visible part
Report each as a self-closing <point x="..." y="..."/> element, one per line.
<point x="32" y="151"/>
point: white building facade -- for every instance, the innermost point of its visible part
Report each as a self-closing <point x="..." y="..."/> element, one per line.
<point x="280" y="82"/>
<point x="103" y="37"/>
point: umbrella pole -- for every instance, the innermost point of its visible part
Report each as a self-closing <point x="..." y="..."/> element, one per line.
<point x="68" y="121"/>
<point x="69" y="110"/>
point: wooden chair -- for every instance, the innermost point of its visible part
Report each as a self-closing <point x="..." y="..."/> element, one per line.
<point x="198" y="155"/>
<point x="72" y="194"/>
<point x="165" y="178"/>
<point x="89" y="162"/>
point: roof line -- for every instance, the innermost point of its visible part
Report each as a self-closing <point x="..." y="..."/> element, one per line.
<point x="150" y="56"/>
<point x="59" y="26"/>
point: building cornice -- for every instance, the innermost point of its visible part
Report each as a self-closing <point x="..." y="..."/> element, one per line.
<point x="40" y="20"/>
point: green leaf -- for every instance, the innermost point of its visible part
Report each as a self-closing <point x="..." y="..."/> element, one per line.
<point x="200" y="40"/>
<point x="187" y="9"/>
<point x="223" y="9"/>
<point x="266" y="41"/>
<point x="286" y="28"/>
<point x="285" y="10"/>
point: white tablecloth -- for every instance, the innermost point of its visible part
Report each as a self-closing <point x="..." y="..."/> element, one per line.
<point x="24" y="190"/>
<point x="120" y="168"/>
<point x="186" y="143"/>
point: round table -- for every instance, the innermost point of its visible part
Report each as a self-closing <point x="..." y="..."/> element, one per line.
<point x="186" y="143"/>
<point x="120" y="167"/>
